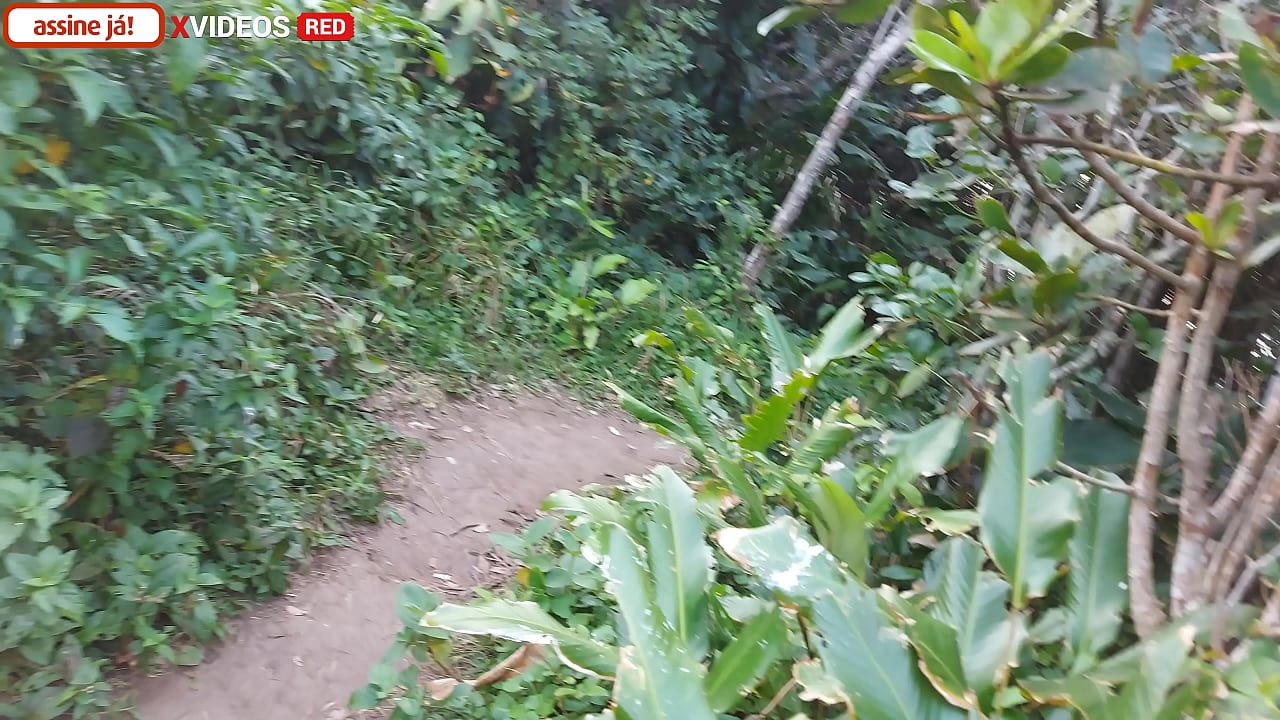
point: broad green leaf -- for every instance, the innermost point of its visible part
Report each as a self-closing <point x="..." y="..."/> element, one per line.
<point x="948" y="522"/>
<point x="525" y="622"/>
<point x="115" y="322"/>
<point x="1041" y="67"/>
<point x="1261" y="78"/>
<point x="860" y="11"/>
<point x="1235" y="27"/>
<point x="18" y="87"/>
<point x="437" y="10"/>
<point x="1094" y="68"/>
<point x="1054" y="291"/>
<point x="939" y="651"/>
<point x="831" y="434"/>
<point x="1099" y="443"/>
<point x="1149" y="671"/>
<point x="469" y="16"/>
<point x="992" y="214"/>
<point x="744" y="661"/>
<point x="657" y="677"/>
<point x="841" y="526"/>
<point x="1024" y="256"/>
<point x="592" y="508"/>
<point x="941" y="54"/>
<point x="1063" y="22"/>
<point x="923" y="452"/>
<point x="784" y="558"/>
<point x="784" y="358"/>
<point x="974" y="602"/>
<point x="1002" y="26"/>
<point x="1096" y="587"/>
<point x="606" y="264"/>
<point x="786" y="17"/>
<point x="1152" y="53"/>
<point x="634" y="290"/>
<point x="1026" y="524"/>
<point x="663" y="423"/>
<point x="864" y="652"/>
<point x="680" y="560"/>
<point x="769" y="423"/>
<point x="185" y="61"/>
<point x="818" y="684"/>
<point x="840" y="337"/>
<point x="90" y="89"/>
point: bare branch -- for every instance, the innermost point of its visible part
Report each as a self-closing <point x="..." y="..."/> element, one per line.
<point x="1010" y="141"/>
<point x="1161" y="166"/>
<point x="1139" y="203"/>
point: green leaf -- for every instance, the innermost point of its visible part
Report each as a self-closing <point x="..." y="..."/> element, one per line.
<point x="680" y="560"/>
<point x="974" y="602"/>
<point x="923" y="452"/>
<point x="18" y="87"/>
<point x="1002" y="27"/>
<point x="1235" y="27"/>
<point x="862" y="651"/>
<point x="437" y="10"/>
<point x="1024" y="256"/>
<point x="657" y="678"/>
<point x="1261" y="79"/>
<point x="590" y="336"/>
<point x="992" y="214"/>
<point x="115" y="322"/>
<point x="1041" y="67"/>
<point x="1096" y="587"/>
<point x="841" y="526"/>
<point x="527" y="623"/>
<point x="663" y="423"/>
<point x="606" y="264"/>
<point x="90" y="89"/>
<point x="840" y="337"/>
<point x="1026" y="524"/>
<point x="744" y="661"/>
<point x="399" y="281"/>
<point x="634" y="290"/>
<point x="786" y="17"/>
<point x="769" y="423"/>
<point x="833" y="432"/>
<point x="372" y="365"/>
<point x="184" y="62"/>
<point x="1094" y="68"/>
<point x="939" y="650"/>
<point x="860" y="11"/>
<point x="1099" y="443"/>
<point x="469" y="16"/>
<point x="941" y="54"/>
<point x="1062" y="24"/>
<point x="783" y="557"/>
<point x="1051" y="293"/>
<point x="366" y="698"/>
<point x="784" y="358"/>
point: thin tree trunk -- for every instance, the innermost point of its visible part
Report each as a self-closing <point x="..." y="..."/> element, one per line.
<point x="824" y="150"/>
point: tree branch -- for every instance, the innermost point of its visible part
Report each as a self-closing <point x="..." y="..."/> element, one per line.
<point x="824" y="150"/>
<point x="1139" y="203"/>
<point x="1010" y="141"/>
<point x="1243" y="181"/>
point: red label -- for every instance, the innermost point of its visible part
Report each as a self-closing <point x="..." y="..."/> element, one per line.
<point x="319" y="26"/>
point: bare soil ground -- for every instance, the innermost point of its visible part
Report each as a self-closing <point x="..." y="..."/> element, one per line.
<point x="487" y="467"/>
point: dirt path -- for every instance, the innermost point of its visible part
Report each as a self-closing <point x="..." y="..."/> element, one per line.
<point x="487" y="467"/>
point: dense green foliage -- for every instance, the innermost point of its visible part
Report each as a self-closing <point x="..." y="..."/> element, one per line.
<point x="210" y="252"/>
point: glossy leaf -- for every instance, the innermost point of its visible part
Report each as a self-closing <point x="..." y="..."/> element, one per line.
<point x="755" y="648"/>
<point x="784" y="357"/>
<point x="1261" y="78"/>
<point x="769" y="423"/>
<point x="841" y="526"/>
<point x="680" y="560"/>
<point x="841" y="337"/>
<point x="1097" y="593"/>
<point x="1003" y="25"/>
<point x="1026" y="524"/>
<point x="657" y="677"/>
<point x="524" y="622"/>
<point x="941" y="54"/>
<point x="975" y="602"/>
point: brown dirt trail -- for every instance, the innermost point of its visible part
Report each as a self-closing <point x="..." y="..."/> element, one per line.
<point x="487" y="467"/>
